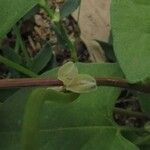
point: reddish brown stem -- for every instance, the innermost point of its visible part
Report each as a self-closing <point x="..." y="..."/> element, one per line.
<point x="28" y="82"/>
<point x="122" y="83"/>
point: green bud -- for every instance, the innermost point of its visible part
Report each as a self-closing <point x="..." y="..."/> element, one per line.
<point x="75" y="82"/>
<point x="42" y="2"/>
<point x="56" y="16"/>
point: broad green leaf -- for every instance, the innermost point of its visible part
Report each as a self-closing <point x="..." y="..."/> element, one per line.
<point x="32" y="113"/>
<point x="69" y="7"/>
<point x="85" y="124"/>
<point x="11" y="11"/>
<point x="130" y="21"/>
<point x="88" y="138"/>
<point x="6" y="93"/>
<point x="41" y="59"/>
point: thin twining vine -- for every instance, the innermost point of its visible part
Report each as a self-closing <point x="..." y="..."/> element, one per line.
<point x="113" y="82"/>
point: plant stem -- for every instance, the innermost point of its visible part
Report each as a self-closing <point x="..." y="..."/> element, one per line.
<point x="26" y="82"/>
<point x="130" y="113"/>
<point x="17" y="67"/>
<point x="122" y="83"/>
<point x="22" y="45"/>
<point x="112" y="82"/>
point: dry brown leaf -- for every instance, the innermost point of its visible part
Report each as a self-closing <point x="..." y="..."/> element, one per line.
<point x="94" y="23"/>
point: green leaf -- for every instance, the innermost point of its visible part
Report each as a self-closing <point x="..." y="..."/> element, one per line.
<point x="41" y="59"/>
<point x="141" y="139"/>
<point x="130" y="25"/>
<point x="108" y="51"/>
<point x="10" y="53"/>
<point x="32" y="115"/>
<point x="64" y="40"/>
<point x="11" y="11"/>
<point x="69" y="7"/>
<point x="144" y="100"/>
<point x="6" y="93"/>
<point x="84" y="124"/>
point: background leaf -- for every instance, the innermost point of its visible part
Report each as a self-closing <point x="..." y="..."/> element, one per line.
<point x="5" y="93"/>
<point x="11" y="11"/>
<point x="10" y="53"/>
<point x="130" y="26"/>
<point x="108" y="51"/>
<point x="69" y="7"/>
<point x="94" y="23"/>
<point x="41" y="59"/>
<point x="144" y="100"/>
